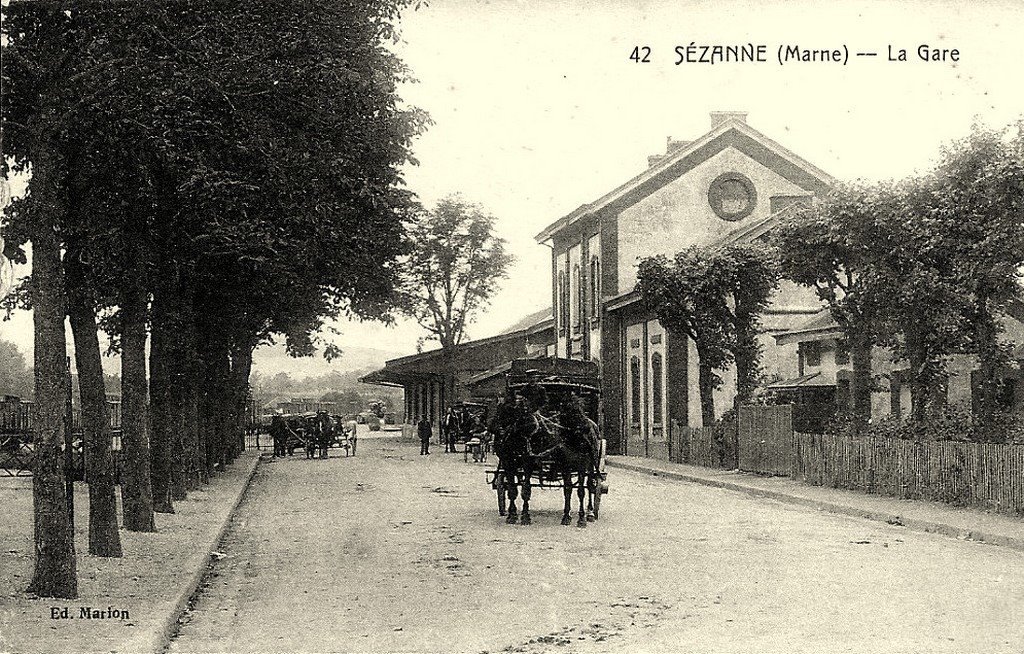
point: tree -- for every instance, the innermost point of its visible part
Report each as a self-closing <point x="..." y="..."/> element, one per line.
<point x="829" y="247"/>
<point x="914" y="265"/>
<point x="15" y="377"/>
<point x="104" y="539"/>
<point x="40" y="34"/>
<point x="714" y="298"/>
<point x="919" y="304"/>
<point x="453" y="270"/>
<point x="975" y="209"/>
<point x="191" y="125"/>
<point x="751" y="276"/>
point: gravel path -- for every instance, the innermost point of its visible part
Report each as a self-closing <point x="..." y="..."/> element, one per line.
<point x="391" y="551"/>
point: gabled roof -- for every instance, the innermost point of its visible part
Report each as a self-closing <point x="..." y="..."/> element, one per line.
<point x="429" y="364"/>
<point x="731" y="132"/>
<point x="532" y="322"/>
<point x="822" y="326"/>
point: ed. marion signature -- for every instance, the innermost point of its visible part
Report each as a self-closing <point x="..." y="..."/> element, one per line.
<point x="88" y="613"/>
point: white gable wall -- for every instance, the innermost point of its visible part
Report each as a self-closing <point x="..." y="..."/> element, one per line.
<point x="678" y="215"/>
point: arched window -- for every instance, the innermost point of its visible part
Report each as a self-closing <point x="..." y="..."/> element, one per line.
<point x="581" y="284"/>
<point x="634" y="389"/>
<point x="656" y="387"/>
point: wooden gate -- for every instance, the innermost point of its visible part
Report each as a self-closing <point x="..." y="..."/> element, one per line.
<point x="766" y="439"/>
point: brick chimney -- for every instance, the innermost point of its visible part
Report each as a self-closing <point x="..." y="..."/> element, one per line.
<point x="719" y="117"/>
<point x="671" y="146"/>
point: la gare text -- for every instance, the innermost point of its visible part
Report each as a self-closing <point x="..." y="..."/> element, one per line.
<point x="696" y="53"/>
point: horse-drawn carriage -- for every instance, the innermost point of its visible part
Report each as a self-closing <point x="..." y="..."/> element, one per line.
<point x="545" y="432"/>
<point x="312" y="431"/>
<point x="465" y="424"/>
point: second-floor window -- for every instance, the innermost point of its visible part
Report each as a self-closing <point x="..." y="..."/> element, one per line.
<point x="574" y="296"/>
<point x="562" y="312"/>
<point x="657" y="389"/>
<point x="595" y="287"/>
<point x="812" y="354"/>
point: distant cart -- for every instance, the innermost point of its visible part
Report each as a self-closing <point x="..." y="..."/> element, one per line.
<point x="474" y="442"/>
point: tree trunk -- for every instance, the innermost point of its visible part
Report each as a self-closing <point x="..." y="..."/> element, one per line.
<point x="860" y="358"/>
<point x="989" y="360"/>
<point x="918" y="376"/>
<point x="55" y="573"/>
<point x="159" y="402"/>
<point x="214" y="403"/>
<point x="746" y="356"/>
<point x="104" y="539"/>
<point x="136" y="489"/>
<point x="706" y="387"/>
<point x="241" y="368"/>
<point x="208" y="431"/>
<point x="196" y="474"/>
<point x="189" y="380"/>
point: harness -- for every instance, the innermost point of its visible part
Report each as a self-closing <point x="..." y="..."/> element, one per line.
<point x="548" y="422"/>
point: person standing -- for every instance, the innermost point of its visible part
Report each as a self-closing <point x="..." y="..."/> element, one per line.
<point x="352" y="427"/>
<point x="324" y="433"/>
<point x="279" y="432"/>
<point x="423" y="428"/>
<point x="451" y="430"/>
<point x="534" y="394"/>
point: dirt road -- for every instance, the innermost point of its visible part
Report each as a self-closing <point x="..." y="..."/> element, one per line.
<point x="391" y="551"/>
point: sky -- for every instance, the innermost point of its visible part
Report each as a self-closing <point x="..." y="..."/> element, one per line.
<point x="537" y="107"/>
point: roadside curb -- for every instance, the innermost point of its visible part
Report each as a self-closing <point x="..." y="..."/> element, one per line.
<point x="170" y="625"/>
<point x="914" y="524"/>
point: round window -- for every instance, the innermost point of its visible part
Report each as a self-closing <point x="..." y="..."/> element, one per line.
<point x="732" y="196"/>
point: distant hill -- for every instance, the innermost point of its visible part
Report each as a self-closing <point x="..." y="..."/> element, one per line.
<point x="269" y="360"/>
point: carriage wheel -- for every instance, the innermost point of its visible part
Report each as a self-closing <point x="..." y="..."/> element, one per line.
<point x="500" y="487"/>
<point x="599" y="482"/>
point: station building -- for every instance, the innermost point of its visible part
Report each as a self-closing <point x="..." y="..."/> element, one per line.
<point x="732" y="184"/>
<point x="430" y="388"/>
<point x="823" y="380"/>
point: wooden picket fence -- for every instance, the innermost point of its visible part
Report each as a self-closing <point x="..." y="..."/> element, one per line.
<point x="765" y="439"/>
<point x="989" y="476"/>
<point x="711" y="447"/>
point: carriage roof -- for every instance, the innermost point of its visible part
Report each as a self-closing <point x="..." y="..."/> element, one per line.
<point x="557" y="384"/>
<point x="468" y="405"/>
<point x="555" y="373"/>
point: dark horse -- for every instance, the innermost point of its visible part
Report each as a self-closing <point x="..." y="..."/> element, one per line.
<point x="576" y="453"/>
<point x="515" y="428"/>
<point x="524" y="439"/>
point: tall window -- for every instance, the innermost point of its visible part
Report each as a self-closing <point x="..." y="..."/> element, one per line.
<point x="656" y="386"/>
<point x="574" y="296"/>
<point x="842" y="352"/>
<point x="581" y="300"/>
<point x="561" y="313"/>
<point x="634" y="389"/>
<point x="595" y="287"/>
<point x="812" y="353"/>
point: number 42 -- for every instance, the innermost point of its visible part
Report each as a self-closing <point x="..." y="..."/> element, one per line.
<point x="641" y="54"/>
